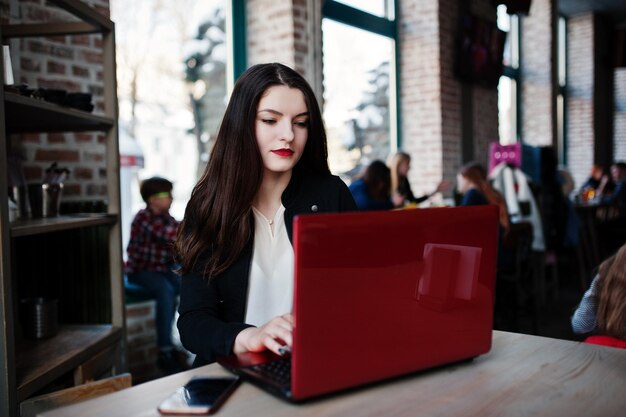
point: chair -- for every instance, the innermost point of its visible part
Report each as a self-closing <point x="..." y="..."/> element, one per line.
<point x="606" y="341"/>
<point x="516" y="285"/>
<point x="36" y="405"/>
<point x="135" y="293"/>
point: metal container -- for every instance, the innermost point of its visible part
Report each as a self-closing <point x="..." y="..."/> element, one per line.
<point x="39" y="317"/>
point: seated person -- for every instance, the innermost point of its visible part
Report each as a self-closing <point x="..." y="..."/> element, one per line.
<point x="150" y="262"/>
<point x="602" y="310"/>
<point x="476" y="190"/>
<point x="618" y="196"/>
<point x="595" y="177"/>
<point x="372" y="190"/>
<point x="400" y="163"/>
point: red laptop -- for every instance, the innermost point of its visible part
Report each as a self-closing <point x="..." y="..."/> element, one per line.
<point x="382" y="294"/>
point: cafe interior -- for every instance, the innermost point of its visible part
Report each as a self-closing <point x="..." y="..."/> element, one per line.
<point x="533" y="90"/>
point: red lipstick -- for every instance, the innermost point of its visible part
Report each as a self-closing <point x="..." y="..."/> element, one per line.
<point x="283" y="152"/>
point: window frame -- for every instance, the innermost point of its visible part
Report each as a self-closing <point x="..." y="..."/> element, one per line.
<point x="561" y="114"/>
<point x="387" y="27"/>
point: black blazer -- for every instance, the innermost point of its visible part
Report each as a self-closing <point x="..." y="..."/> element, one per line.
<point x="212" y="314"/>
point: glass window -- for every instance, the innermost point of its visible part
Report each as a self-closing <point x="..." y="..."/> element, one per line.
<point x="171" y="66"/>
<point x="507" y="110"/>
<point x="357" y="103"/>
<point x="507" y="86"/>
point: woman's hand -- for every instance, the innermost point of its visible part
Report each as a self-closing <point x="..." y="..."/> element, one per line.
<point x="443" y="186"/>
<point x="398" y="199"/>
<point x="273" y="335"/>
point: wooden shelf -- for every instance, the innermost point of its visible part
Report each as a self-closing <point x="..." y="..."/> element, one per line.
<point x="30" y="366"/>
<point x="39" y="362"/>
<point x="54" y="224"/>
<point x="31" y="115"/>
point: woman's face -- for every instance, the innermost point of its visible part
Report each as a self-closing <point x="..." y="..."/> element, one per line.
<point x="462" y="184"/>
<point x="281" y="128"/>
<point x="403" y="168"/>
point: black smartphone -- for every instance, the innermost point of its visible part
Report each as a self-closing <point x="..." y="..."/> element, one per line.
<point x="201" y="395"/>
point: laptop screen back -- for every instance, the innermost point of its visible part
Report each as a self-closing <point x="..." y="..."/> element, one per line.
<point x="380" y="294"/>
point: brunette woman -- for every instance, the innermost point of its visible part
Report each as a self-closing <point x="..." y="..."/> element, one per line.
<point x="602" y="310"/>
<point x="473" y="184"/>
<point x="269" y="163"/>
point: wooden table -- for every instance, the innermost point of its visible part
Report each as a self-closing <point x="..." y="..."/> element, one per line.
<point x="523" y="375"/>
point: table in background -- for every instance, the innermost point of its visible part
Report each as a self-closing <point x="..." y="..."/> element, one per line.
<point x="522" y="375"/>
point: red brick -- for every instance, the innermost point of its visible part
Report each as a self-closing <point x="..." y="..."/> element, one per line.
<point x="79" y="71"/>
<point x="31" y="137"/>
<point x="56" y="138"/>
<point x="68" y="155"/>
<point x="92" y="57"/>
<point x="83" y="137"/>
<point x="56" y="68"/>
<point x="27" y="64"/>
<point x="82" y="173"/>
<point x="69" y="86"/>
<point x="81" y="40"/>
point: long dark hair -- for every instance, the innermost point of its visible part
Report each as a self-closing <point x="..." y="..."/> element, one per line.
<point x="218" y="220"/>
<point x="475" y="173"/>
<point x="611" y="290"/>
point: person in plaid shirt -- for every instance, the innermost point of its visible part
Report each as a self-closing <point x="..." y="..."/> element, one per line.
<point x="150" y="263"/>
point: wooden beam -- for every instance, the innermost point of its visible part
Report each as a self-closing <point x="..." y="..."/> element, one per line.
<point x="48" y="29"/>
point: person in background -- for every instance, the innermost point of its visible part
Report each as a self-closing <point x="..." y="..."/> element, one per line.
<point x="372" y="190"/>
<point x="268" y="164"/>
<point x="150" y="264"/>
<point x="618" y="195"/>
<point x="400" y="164"/>
<point x="476" y="190"/>
<point x="595" y="177"/>
<point x="602" y="310"/>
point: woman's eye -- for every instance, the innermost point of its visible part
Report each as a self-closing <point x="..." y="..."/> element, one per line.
<point x="268" y="121"/>
<point x="302" y="123"/>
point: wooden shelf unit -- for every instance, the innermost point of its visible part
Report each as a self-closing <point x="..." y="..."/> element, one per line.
<point x="27" y="366"/>
<point x="33" y="115"/>
<point x="40" y="362"/>
<point x="55" y="224"/>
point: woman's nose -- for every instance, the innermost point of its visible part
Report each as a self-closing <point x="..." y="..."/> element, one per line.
<point x="286" y="131"/>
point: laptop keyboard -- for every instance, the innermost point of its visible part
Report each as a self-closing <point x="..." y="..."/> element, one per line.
<point x="277" y="372"/>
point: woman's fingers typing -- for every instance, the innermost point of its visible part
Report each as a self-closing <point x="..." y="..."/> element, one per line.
<point x="273" y="335"/>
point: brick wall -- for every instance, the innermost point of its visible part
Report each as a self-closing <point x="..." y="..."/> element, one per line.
<point x="537" y="67"/>
<point x="142" y="340"/>
<point x="431" y="100"/>
<point x="485" y="100"/>
<point x="451" y="108"/>
<point x="72" y="63"/>
<point x="285" y="32"/>
<point x="420" y="94"/>
<point x="580" y="134"/>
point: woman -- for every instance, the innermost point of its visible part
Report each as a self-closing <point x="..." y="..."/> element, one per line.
<point x="602" y="309"/>
<point x="400" y="163"/>
<point x="269" y="163"/>
<point x="371" y="191"/>
<point x="472" y="183"/>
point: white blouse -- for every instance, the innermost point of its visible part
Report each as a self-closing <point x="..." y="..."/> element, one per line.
<point x="270" y="288"/>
